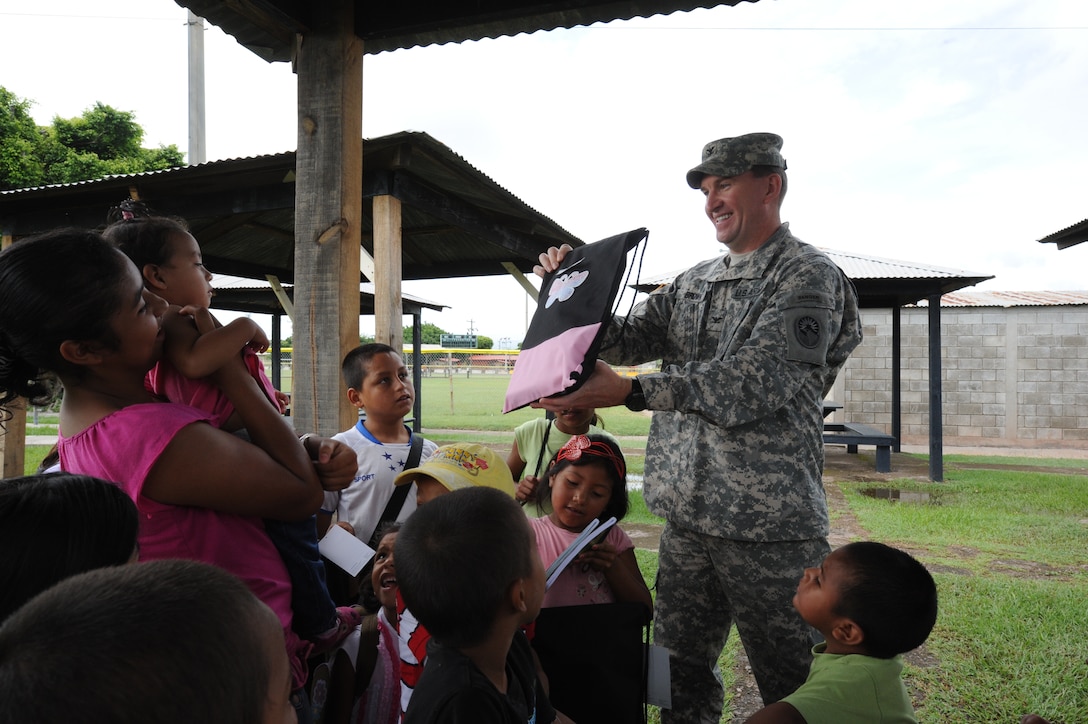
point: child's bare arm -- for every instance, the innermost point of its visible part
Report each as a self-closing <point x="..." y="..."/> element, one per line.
<point x="197" y="345"/>
<point x="622" y="572"/>
<point x="777" y="713"/>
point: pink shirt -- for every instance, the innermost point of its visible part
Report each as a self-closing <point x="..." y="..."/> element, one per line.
<point x="575" y="586"/>
<point x="122" y="447"/>
<point x="164" y="380"/>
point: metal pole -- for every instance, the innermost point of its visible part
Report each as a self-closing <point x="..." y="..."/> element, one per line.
<point x="197" y="150"/>
<point x="936" y="420"/>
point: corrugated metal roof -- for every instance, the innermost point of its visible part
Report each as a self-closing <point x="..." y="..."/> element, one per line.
<point x="1013" y="299"/>
<point x="1069" y="236"/>
<point x="860" y="266"/>
<point x="880" y="282"/>
<point x="253" y="295"/>
<point x="269" y="28"/>
<point x="456" y="221"/>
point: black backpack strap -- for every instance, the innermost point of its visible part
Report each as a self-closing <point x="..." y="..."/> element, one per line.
<point x="400" y="493"/>
<point x="543" y="447"/>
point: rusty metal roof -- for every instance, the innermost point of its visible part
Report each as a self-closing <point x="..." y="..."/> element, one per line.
<point x="269" y="28"/>
<point x="456" y="221"/>
<point x="1069" y="236"/>
<point x="1014" y="299"/>
<point x="881" y="283"/>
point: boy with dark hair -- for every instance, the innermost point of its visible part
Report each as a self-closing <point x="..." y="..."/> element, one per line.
<point x="468" y="567"/>
<point x="377" y="383"/>
<point x="167" y="641"/>
<point x="872" y="603"/>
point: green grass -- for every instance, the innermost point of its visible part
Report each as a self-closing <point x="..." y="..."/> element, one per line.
<point x="33" y="457"/>
<point x="475" y="403"/>
<point x="1007" y="549"/>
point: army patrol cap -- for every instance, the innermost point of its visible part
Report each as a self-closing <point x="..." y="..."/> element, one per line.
<point x="730" y="157"/>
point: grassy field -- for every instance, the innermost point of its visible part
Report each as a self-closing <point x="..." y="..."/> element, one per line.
<point x="1007" y="548"/>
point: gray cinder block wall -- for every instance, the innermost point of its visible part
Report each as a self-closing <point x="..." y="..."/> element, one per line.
<point x="1013" y="376"/>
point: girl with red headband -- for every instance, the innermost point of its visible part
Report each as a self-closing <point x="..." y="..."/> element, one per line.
<point x="586" y="481"/>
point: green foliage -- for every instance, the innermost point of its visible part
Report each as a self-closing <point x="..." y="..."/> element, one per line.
<point x="101" y="131"/>
<point x="429" y="334"/>
<point x="483" y="342"/>
<point x="20" y="141"/>
<point x="100" y="142"/>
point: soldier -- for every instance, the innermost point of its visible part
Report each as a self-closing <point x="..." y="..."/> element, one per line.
<point x="750" y="343"/>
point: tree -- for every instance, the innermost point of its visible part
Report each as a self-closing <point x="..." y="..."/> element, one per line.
<point x="483" y="342"/>
<point x="429" y="334"/>
<point x="21" y="142"/>
<point x="100" y="142"/>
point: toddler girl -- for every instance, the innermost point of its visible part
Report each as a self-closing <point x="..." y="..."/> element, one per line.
<point x="587" y="481"/>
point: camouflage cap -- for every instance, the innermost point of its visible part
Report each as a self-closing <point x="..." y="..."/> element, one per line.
<point x="733" y="156"/>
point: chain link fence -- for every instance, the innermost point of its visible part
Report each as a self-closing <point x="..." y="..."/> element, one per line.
<point x="449" y="363"/>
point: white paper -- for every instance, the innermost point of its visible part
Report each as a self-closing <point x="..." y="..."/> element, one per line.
<point x="594" y="529"/>
<point x="345" y="550"/>
<point x="658" y="683"/>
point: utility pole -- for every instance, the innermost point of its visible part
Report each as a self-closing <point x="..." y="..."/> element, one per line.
<point x="197" y="151"/>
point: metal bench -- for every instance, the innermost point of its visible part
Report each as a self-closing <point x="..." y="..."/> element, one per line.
<point x="852" y="434"/>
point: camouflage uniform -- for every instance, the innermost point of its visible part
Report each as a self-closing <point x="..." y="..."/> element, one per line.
<point x="735" y="454"/>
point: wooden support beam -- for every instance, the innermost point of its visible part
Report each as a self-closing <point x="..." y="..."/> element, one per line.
<point x="388" y="326"/>
<point x="328" y="213"/>
<point x="522" y="280"/>
<point x="13" y="436"/>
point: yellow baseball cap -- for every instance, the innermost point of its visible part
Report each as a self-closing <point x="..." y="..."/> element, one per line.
<point x="463" y="465"/>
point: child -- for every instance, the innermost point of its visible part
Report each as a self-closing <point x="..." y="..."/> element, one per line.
<point x="171" y="642"/>
<point x="169" y="259"/>
<point x="457" y="466"/>
<point x="587" y="481"/>
<point x="377" y="383"/>
<point x="468" y="567"/>
<point x="449" y="468"/>
<point x="872" y="603"/>
<point x="57" y="525"/>
<point x="538" y="440"/>
<point x="365" y="686"/>
<point x="74" y="308"/>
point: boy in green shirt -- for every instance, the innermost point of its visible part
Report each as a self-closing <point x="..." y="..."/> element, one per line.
<point x="872" y="603"/>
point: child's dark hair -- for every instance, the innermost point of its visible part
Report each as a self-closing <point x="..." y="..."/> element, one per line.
<point x="141" y="234"/>
<point x="172" y="631"/>
<point x="890" y="595"/>
<point x="57" y="525"/>
<point x="589" y="450"/>
<point x="353" y="368"/>
<point x="57" y="286"/>
<point x="457" y="556"/>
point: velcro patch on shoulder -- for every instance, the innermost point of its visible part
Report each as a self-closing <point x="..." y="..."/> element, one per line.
<point x="807" y="316"/>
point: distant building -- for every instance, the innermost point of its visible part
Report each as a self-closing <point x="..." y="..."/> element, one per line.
<point x="1015" y="370"/>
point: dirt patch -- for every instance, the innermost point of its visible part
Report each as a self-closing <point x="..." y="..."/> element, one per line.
<point x="644" y="535"/>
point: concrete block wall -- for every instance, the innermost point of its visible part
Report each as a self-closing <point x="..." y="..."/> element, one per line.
<point x="1012" y="376"/>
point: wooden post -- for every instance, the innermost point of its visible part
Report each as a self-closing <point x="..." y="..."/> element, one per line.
<point x="13" y="436"/>
<point x="388" y="323"/>
<point x="328" y="213"/>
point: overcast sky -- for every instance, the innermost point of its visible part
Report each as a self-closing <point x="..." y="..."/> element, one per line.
<point x="945" y="133"/>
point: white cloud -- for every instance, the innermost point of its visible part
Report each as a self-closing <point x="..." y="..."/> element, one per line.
<point x="929" y="131"/>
